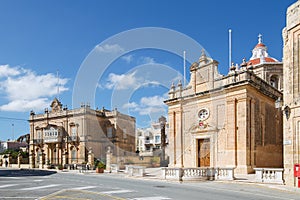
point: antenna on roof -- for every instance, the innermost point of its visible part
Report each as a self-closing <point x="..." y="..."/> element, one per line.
<point x="57" y="95"/>
<point x="229" y="47"/>
<point x="184" y="70"/>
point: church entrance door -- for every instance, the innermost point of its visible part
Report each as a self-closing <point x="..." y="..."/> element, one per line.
<point x="203" y="146"/>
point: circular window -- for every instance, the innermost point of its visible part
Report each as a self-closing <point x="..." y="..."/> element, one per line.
<point x="203" y="114"/>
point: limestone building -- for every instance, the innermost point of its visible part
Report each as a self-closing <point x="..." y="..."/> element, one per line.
<point x="291" y="109"/>
<point x="148" y="140"/>
<point x="60" y="136"/>
<point x="228" y="120"/>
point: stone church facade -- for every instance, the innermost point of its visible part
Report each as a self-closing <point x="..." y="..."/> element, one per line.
<point x="228" y="120"/>
<point x="60" y="136"/>
<point x="290" y="107"/>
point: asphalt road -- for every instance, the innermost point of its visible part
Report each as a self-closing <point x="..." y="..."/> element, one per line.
<point x="36" y="184"/>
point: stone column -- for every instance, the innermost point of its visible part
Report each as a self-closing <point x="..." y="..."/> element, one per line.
<point x="9" y="160"/>
<point x="47" y="161"/>
<point x="41" y="164"/>
<point x="32" y="159"/>
<point x="19" y="160"/>
<point x="91" y="158"/>
<point x="108" y="159"/>
<point x="65" y="157"/>
<point x="231" y="127"/>
<point x="56" y="154"/>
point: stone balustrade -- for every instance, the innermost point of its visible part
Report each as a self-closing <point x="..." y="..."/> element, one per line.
<point x="269" y="175"/>
<point x="172" y="173"/>
<point x="132" y="170"/>
<point x="114" y="168"/>
<point x="224" y="173"/>
<point x="198" y="174"/>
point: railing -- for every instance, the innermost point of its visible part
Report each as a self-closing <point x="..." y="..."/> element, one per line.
<point x="148" y="141"/>
<point x="73" y="138"/>
<point x="197" y="174"/>
<point x="37" y="141"/>
<point x="269" y="175"/>
<point x="172" y="174"/>
<point x="224" y="173"/>
<point x="52" y="139"/>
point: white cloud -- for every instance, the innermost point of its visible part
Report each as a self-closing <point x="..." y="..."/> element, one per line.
<point x="109" y="48"/>
<point x="146" y="60"/>
<point x="132" y="105"/>
<point x="26" y="105"/>
<point x="147" y="105"/>
<point x="128" y="59"/>
<point x="122" y="82"/>
<point x="6" y="71"/>
<point x="31" y="86"/>
<point x="152" y="101"/>
<point x="25" y="90"/>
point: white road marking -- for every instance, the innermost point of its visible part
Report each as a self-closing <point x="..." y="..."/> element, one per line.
<point x="41" y="187"/>
<point x="19" y="197"/>
<point x="84" y="188"/>
<point x="116" y="191"/>
<point x="151" y="198"/>
<point x="11" y="177"/>
<point x="37" y="180"/>
<point x="8" y="185"/>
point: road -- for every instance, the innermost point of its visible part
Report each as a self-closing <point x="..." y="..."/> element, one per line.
<point x="36" y="184"/>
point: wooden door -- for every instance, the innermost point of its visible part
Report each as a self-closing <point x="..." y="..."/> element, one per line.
<point x="203" y="152"/>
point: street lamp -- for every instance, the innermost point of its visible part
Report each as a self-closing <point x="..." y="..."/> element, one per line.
<point x="162" y="122"/>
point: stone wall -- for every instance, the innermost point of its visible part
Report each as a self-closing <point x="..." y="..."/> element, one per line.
<point x="291" y="58"/>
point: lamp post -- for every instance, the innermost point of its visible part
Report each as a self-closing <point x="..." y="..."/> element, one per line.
<point x="162" y="122"/>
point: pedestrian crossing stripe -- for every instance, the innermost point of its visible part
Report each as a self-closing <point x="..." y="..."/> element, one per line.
<point x="117" y="191"/>
<point x="40" y="187"/>
<point x="8" y="185"/>
<point x="151" y="198"/>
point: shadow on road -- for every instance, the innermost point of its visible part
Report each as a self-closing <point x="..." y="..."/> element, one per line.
<point x="25" y="172"/>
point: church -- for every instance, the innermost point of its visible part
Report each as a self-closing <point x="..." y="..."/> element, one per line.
<point x="228" y="120"/>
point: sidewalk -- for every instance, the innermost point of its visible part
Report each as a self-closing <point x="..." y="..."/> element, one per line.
<point x="156" y="174"/>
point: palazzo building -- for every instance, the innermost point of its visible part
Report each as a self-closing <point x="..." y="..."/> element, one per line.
<point x="291" y="109"/>
<point x="228" y="120"/>
<point x="60" y="136"/>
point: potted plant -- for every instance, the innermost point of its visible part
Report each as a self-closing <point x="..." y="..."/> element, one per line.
<point x="100" y="167"/>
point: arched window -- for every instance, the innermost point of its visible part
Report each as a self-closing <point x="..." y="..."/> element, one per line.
<point x="274" y="81"/>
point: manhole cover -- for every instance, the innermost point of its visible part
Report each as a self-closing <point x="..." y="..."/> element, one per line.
<point x="160" y="186"/>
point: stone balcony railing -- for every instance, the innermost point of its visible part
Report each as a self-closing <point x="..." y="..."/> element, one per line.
<point x="73" y="139"/>
<point x="37" y="141"/>
<point x="52" y="139"/>
<point x="269" y="175"/>
<point x="197" y="174"/>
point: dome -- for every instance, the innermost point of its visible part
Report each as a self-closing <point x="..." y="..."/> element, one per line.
<point x="260" y="54"/>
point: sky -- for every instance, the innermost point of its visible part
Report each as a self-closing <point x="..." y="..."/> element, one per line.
<point x="96" y="52"/>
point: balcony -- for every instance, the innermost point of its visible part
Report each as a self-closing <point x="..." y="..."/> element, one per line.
<point x="52" y="139"/>
<point x="37" y="141"/>
<point x="148" y="142"/>
<point x="73" y="139"/>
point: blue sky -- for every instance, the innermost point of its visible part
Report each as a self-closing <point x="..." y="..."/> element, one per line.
<point x="39" y="38"/>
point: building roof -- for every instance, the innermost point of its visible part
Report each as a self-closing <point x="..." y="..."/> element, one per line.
<point x="260" y="54"/>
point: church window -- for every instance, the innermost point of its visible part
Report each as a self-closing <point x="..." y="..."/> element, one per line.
<point x="203" y="114"/>
<point x="274" y="81"/>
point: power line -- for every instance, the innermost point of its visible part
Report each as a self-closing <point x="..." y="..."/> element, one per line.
<point x="12" y="118"/>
